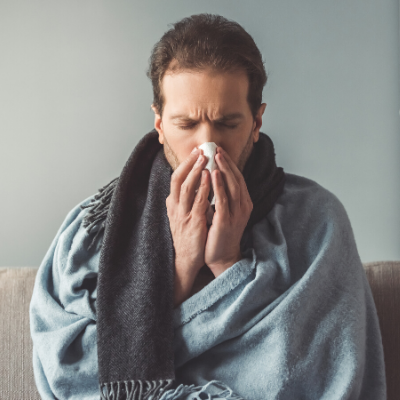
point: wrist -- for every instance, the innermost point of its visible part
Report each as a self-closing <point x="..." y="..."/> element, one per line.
<point x="218" y="268"/>
<point x="183" y="283"/>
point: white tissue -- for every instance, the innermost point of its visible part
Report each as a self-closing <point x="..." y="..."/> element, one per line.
<point x="209" y="150"/>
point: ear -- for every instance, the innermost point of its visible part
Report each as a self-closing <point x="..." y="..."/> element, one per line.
<point x="258" y="122"/>
<point x="158" y="126"/>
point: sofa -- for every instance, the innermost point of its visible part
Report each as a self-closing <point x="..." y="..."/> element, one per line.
<point x="16" y="284"/>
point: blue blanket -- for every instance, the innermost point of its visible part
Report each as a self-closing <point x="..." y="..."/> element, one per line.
<point x="294" y="319"/>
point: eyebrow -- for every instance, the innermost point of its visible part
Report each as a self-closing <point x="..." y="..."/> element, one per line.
<point x="224" y="118"/>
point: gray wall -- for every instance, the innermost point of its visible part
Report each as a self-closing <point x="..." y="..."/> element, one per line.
<point x="74" y="101"/>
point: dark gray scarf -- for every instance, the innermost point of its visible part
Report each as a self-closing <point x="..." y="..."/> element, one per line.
<point x="136" y="271"/>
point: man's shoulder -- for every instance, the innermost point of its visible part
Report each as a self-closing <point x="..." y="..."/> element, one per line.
<point x="77" y="213"/>
<point x="72" y="228"/>
<point x="312" y="221"/>
<point x="307" y="197"/>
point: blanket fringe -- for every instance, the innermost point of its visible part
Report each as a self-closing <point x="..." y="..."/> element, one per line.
<point x="98" y="209"/>
<point x="134" y="390"/>
<point x="206" y="392"/>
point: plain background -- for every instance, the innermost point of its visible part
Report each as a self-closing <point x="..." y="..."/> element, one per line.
<point x="75" y="100"/>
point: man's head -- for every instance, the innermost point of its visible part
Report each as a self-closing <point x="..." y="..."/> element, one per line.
<point x="208" y="76"/>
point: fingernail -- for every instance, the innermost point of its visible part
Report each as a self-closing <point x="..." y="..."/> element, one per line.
<point x="199" y="160"/>
<point x="194" y="150"/>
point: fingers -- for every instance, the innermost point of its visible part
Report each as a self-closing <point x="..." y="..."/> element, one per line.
<point x="201" y="202"/>
<point x="225" y="157"/>
<point x="180" y="174"/>
<point x="232" y="188"/>
<point x="187" y="192"/>
<point x="226" y="165"/>
<point x="222" y="201"/>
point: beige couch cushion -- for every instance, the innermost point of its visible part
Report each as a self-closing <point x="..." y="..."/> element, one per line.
<point x="16" y="372"/>
<point x="16" y="284"/>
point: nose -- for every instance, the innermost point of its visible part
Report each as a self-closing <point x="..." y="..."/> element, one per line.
<point x="208" y="133"/>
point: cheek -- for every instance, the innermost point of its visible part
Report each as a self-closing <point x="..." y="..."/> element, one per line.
<point x="234" y="149"/>
<point x="181" y="147"/>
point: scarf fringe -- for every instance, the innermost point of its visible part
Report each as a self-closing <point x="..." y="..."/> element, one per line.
<point x="201" y="392"/>
<point x="98" y="209"/>
<point x="133" y="390"/>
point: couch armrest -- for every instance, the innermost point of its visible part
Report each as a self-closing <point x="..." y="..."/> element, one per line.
<point x="384" y="279"/>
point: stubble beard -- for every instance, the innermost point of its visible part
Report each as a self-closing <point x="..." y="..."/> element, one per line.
<point x="244" y="155"/>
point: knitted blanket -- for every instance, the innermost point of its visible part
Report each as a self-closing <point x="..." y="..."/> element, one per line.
<point x="294" y="319"/>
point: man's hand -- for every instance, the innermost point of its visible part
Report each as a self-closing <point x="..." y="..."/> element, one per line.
<point x="187" y="217"/>
<point x="233" y="207"/>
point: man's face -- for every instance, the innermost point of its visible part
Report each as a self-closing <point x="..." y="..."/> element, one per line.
<point x="207" y="106"/>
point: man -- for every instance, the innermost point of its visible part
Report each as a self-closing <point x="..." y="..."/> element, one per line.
<point x="270" y="301"/>
<point x="206" y="106"/>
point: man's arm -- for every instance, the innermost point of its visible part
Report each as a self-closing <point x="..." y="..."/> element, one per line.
<point x="62" y="316"/>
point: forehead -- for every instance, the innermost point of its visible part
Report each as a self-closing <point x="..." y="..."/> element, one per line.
<point x="207" y="91"/>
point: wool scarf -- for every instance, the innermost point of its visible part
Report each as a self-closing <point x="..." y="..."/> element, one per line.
<point x="135" y="287"/>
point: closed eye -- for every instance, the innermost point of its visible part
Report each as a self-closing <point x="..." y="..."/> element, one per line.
<point x="187" y="127"/>
<point x="228" y="126"/>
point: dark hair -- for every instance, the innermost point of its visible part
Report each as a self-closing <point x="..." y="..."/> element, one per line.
<point x="206" y="40"/>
